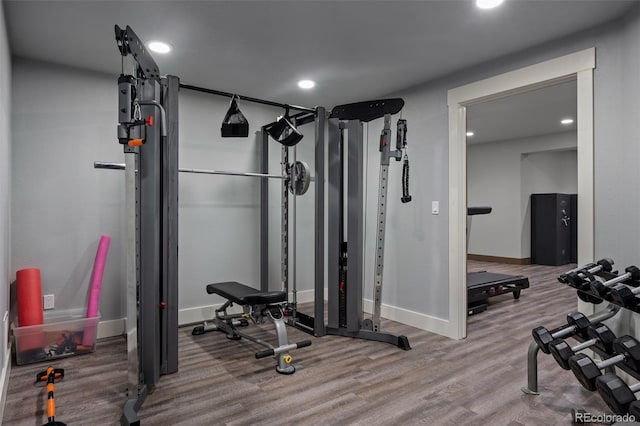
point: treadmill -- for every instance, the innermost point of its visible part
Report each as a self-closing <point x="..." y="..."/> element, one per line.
<point x="482" y="285"/>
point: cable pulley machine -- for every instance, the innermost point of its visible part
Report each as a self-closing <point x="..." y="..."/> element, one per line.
<point x="151" y="202"/>
<point x="346" y="216"/>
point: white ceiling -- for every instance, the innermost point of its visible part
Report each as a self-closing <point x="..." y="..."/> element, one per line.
<point x="355" y="50"/>
<point x="528" y="114"/>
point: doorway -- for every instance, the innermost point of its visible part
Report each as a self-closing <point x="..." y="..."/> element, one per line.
<point x="521" y="151"/>
<point x="577" y="66"/>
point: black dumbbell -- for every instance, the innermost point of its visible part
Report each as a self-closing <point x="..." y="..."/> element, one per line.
<point x="564" y="278"/>
<point x="577" y="323"/>
<point x="624" y="295"/>
<point x="577" y="275"/>
<point x="634" y="409"/>
<point x="616" y="393"/>
<point x="586" y="370"/>
<point x="601" y="289"/>
<point x="600" y="336"/>
<point x="582" y="280"/>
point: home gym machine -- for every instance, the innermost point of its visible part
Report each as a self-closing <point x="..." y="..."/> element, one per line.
<point x="346" y="221"/>
<point x="151" y="187"/>
<point x="482" y="285"/>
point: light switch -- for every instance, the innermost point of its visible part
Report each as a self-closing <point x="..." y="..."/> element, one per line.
<point x="435" y="207"/>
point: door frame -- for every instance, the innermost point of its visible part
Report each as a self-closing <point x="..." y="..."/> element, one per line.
<point x="577" y="66"/>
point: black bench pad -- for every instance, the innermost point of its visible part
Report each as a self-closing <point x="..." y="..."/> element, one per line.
<point x="245" y="295"/>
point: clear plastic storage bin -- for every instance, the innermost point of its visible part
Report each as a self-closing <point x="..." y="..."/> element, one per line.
<point x="63" y="334"/>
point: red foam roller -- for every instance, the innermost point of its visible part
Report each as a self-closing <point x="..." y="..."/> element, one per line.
<point x="29" y="294"/>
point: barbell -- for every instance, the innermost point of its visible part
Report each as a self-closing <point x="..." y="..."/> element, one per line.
<point x="299" y="175"/>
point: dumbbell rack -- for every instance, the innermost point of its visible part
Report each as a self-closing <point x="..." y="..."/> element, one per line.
<point x="532" y="353"/>
<point x="611" y="310"/>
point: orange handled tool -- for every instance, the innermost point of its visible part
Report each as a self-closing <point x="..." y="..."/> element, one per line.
<point x="49" y="376"/>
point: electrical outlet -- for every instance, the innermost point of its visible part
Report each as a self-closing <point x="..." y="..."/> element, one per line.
<point x="48" y="301"/>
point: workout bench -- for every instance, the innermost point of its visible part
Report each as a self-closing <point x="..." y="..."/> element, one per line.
<point x="255" y="305"/>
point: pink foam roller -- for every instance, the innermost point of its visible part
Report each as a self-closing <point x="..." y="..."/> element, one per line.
<point x="89" y="335"/>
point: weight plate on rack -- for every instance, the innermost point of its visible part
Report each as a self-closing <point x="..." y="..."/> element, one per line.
<point x="299" y="178"/>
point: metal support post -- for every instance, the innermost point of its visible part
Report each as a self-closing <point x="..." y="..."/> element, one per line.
<point x="355" y="224"/>
<point x="385" y="154"/>
<point x="532" y="370"/>
<point x="264" y="211"/>
<point x="292" y="277"/>
<point x="135" y="393"/>
<point x="333" y="222"/>
<point x="284" y="224"/>
<point x="150" y="243"/>
<point x="169" y="198"/>
<point x="318" y="324"/>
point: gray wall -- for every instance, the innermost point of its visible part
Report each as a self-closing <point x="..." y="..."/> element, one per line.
<point x="416" y="269"/>
<point x="219" y="215"/>
<point x="6" y="273"/>
<point x="415" y="275"/>
<point x="502" y="175"/>
<point x="64" y="120"/>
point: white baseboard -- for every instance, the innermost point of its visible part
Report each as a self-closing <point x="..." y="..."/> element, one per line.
<point x="202" y="313"/>
<point x="4" y="381"/>
<point x="306" y="296"/>
<point x="414" y="319"/>
<point x="111" y="328"/>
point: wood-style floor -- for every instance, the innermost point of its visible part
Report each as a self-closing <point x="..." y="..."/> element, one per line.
<point x="339" y="381"/>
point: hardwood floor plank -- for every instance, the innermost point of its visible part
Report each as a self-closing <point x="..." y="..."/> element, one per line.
<point x="475" y="381"/>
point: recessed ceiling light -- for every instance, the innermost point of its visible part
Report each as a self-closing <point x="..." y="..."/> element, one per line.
<point x="488" y="4"/>
<point x="567" y="121"/>
<point x="306" y="84"/>
<point x="159" y="47"/>
<point x="470" y="134"/>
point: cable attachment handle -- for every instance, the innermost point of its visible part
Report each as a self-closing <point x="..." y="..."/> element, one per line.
<point x="401" y="145"/>
<point x="401" y="134"/>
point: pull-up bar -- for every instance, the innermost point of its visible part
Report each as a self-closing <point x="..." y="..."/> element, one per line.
<point x="245" y="98"/>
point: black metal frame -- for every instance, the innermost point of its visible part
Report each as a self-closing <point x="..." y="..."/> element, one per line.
<point x="245" y="98"/>
<point x="153" y="287"/>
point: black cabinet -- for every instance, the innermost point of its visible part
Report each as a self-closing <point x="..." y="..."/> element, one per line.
<point x="553" y="229"/>
<point x="573" y="257"/>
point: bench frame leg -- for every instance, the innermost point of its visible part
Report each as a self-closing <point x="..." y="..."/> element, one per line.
<point x="227" y="323"/>
<point x="284" y="359"/>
